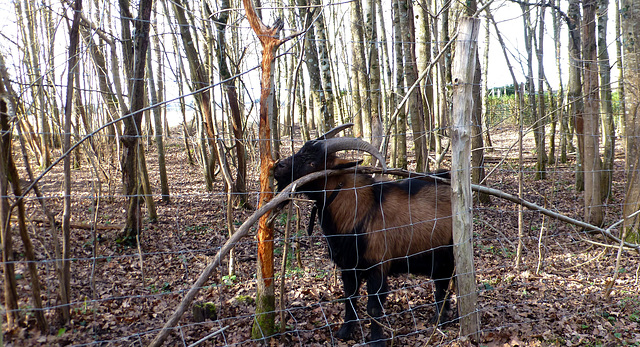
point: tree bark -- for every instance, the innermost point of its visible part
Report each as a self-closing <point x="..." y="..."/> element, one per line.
<point x="559" y="108"/>
<point x="540" y="117"/>
<point x="574" y="85"/>
<point x="606" y="104"/>
<point x="463" y="73"/>
<point x="485" y="95"/>
<point x="34" y="54"/>
<point x="133" y="123"/>
<point x="157" y="117"/>
<point x="373" y="46"/>
<point x="239" y="185"/>
<point x="8" y="267"/>
<point x="630" y="25"/>
<point x="325" y="67"/>
<point x="200" y="82"/>
<point x="414" y="104"/>
<point x="65" y="285"/>
<point x="591" y="159"/>
<point x="362" y="107"/>
<point x="400" y="126"/>
<point x="264" y="325"/>
<point x="312" y="61"/>
<point x="478" y="173"/>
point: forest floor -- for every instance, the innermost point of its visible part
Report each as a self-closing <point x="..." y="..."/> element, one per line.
<point x="123" y="297"/>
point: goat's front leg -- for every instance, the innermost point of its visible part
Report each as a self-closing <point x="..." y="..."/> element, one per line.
<point x="351" y="280"/>
<point x="377" y="290"/>
<point x="442" y="274"/>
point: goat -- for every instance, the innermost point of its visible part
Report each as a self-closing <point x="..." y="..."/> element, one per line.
<point x="375" y="228"/>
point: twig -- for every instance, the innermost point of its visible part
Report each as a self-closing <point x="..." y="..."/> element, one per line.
<point x="286" y="195"/>
<point x="283" y="267"/>
<point x="208" y="336"/>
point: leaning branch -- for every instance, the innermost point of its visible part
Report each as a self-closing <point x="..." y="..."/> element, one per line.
<point x="287" y="194"/>
<point x="241" y="232"/>
<point x="515" y="199"/>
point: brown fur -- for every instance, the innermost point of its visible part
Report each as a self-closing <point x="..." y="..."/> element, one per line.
<point x="402" y="225"/>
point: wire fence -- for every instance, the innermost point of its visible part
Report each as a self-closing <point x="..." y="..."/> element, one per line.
<point x="570" y="287"/>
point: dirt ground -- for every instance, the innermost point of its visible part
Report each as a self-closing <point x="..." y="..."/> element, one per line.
<point x="122" y="297"/>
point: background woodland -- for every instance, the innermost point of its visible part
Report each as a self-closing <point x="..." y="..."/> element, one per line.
<point x="137" y="137"/>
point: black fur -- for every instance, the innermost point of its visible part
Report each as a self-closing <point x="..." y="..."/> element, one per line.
<point x="347" y="249"/>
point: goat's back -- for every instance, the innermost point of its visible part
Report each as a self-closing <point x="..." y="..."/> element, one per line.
<point x="399" y="218"/>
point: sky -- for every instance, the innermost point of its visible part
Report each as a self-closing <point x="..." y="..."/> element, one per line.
<point x="510" y="23"/>
<point x="507" y="14"/>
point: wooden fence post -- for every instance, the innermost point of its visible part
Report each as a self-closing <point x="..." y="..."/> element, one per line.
<point x="461" y="199"/>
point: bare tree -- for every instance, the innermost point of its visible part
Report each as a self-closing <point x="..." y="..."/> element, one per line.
<point x="606" y="103"/>
<point x="591" y="155"/>
<point x="359" y="82"/>
<point x="414" y="103"/>
<point x="540" y="116"/>
<point x="239" y="185"/>
<point x="399" y="152"/>
<point x="130" y="165"/>
<point x="264" y="324"/>
<point x="631" y="78"/>
<point x="371" y="36"/>
<point x="155" y="95"/>
<point x="325" y="67"/>
<point x="8" y="257"/>
<point x="574" y="85"/>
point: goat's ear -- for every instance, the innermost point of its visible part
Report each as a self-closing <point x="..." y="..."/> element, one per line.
<point x="339" y="163"/>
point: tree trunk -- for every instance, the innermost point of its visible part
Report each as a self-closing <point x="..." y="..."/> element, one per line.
<point x="319" y="110"/>
<point x="8" y="258"/>
<point x="414" y="103"/>
<point x="478" y="173"/>
<point x="630" y="23"/>
<point x="485" y="95"/>
<point x="574" y="86"/>
<point x="34" y="54"/>
<point x="529" y="35"/>
<point x="591" y="159"/>
<point x="363" y="105"/>
<point x="133" y="123"/>
<point x="65" y="286"/>
<point x="374" y="74"/>
<point x="540" y="117"/>
<point x="325" y="67"/>
<point x="423" y="55"/>
<point x="608" y="127"/>
<point x="400" y="126"/>
<point x="200" y="80"/>
<point x="239" y="186"/>
<point x="8" y="172"/>
<point x="157" y="117"/>
<point x="621" y="93"/>
<point x="559" y="109"/>
<point x="264" y="325"/>
<point x="444" y="77"/>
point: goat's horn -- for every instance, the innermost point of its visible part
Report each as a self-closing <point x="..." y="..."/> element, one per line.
<point x="333" y="132"/>
<point x="347" y="143"/>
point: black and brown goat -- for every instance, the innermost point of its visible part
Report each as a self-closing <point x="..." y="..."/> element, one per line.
<point x="375" y="228"/>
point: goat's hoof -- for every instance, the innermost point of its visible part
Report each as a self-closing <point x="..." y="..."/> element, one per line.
<point x="345" y="331"/>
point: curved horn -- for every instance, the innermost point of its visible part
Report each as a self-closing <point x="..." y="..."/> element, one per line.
<point x="333" y="132"/>
<point x="333" y="145"/>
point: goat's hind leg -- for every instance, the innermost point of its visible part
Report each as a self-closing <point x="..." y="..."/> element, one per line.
<point x="351" y="280"/>
<point x="442" y="275"/>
